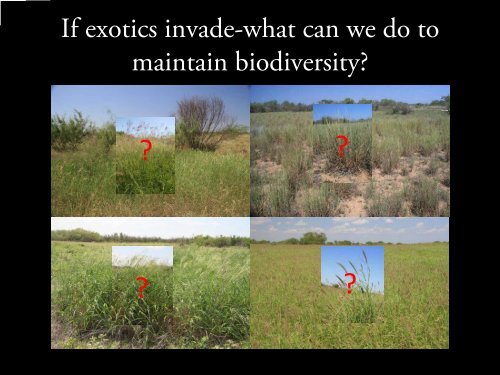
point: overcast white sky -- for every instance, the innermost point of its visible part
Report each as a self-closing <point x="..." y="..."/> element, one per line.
<point x="123" y="255"/>
<point x="387" y="229"/>
<point x="165" y="227"/>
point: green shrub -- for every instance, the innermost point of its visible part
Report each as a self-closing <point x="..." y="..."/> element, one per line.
<point x="68" y="134"/>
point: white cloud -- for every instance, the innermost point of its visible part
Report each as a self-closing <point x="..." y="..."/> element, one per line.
<point x="360" y="221"/>
<point x="259" y="220"/>
<point x="438" y="230"/>
<point x="300" y="223"/>
<point x="419" y="225"/>
<point x="272" y="228"/>
<point x="389" y="221"/>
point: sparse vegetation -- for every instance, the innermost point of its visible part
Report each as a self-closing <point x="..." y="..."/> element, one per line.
<point x="382" y="157"/>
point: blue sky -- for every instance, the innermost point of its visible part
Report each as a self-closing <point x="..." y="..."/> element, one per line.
<point x="330" y="255"/>
<point x="404" y="229"/>
<point x="143" y="101"/>
<point x="309" y="94"/>
<point x="163" y="255"/>
<point x="350" y="111"/>
<point x="165" y="227"/>
<point x="158" y="126"/>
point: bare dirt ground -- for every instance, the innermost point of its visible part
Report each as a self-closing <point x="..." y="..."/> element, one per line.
<point x="268" y="166"/>
<point x="354" y="204"/>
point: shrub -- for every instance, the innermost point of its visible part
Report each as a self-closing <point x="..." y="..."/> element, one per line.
<point x="313" y="238"/>
<point x="68" y="134"/>
<point x="107" y="136"/>
<point x="401" y="108"/>
<point x="202" y="123"/>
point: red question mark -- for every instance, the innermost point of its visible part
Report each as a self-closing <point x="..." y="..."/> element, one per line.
<point x="351" y="283"/>
<point x="144" y="285"/>
<point x="346" y="142"/>
<point x="146" y="150"/>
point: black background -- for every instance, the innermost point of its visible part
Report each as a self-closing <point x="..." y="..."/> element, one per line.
<point x="35" y="56"/>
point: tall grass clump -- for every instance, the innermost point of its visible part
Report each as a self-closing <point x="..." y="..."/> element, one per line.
<point x="134" y="175"/>
<point x="424" y="196"/>
<point x="320" y="201"/>
<point x="280" y="195"/>
<point x="386" y="206"/>
<point x="363" y="305"/>
<point x="357" y="154"/>
<point x="201" y="302"/>
<point x="211" y="294"/>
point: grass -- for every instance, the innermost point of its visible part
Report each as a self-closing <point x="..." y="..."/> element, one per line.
<point x="203" y="301"/>
<point x="84" y="183"/>
<point x="422" y="132"/>
<point x="290" y="308"/>
<point x="425" y="196"/>
<point x="291" y="159"/>
<point x="362" y="305"/>
<point x="134" y="175"/>
<point x="357" y="154"/>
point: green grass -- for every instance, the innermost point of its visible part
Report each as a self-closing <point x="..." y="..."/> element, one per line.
<point x="84" y="183"/>
<point x="134" y="175"/>
<point x="290" y="308"/>
<point x="203" y="301"/>
<point x="211" y="184"/>
<point x="212" y="294"/>
<point x="422" y="132"/>
<point x="286" y="139"/>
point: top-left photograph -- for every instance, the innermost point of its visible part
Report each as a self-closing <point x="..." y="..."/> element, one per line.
<point x="169" y="150"/>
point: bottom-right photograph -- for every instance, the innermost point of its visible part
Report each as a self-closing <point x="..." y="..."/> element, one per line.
<point x="349" y="283"/>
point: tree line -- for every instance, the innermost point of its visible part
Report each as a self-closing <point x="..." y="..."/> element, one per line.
<point x="319" y="238"/>
<point x="390" y="105"/>
<point x="82" y="235"/>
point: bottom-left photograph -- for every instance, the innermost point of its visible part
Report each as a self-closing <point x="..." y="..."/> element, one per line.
<point x="150" y="282"/>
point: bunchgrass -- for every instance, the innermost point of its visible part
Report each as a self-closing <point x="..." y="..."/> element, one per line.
<point x="363" y="304"/>
<point x="356" y="155"/>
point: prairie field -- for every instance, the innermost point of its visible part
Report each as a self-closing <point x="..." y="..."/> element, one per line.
<point x="201" y="302"/>
<point x="85" y="181"/>
<point x="395" y="165"/>
<point x="291" y="309"/>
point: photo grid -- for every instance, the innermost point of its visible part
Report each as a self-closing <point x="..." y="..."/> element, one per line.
<point x="250" y="216"/>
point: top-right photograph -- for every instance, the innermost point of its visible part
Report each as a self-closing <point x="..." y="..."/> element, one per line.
<point x="379" y="151"/>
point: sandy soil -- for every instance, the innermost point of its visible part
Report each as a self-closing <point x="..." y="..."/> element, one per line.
<point x="354" y="204"/>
